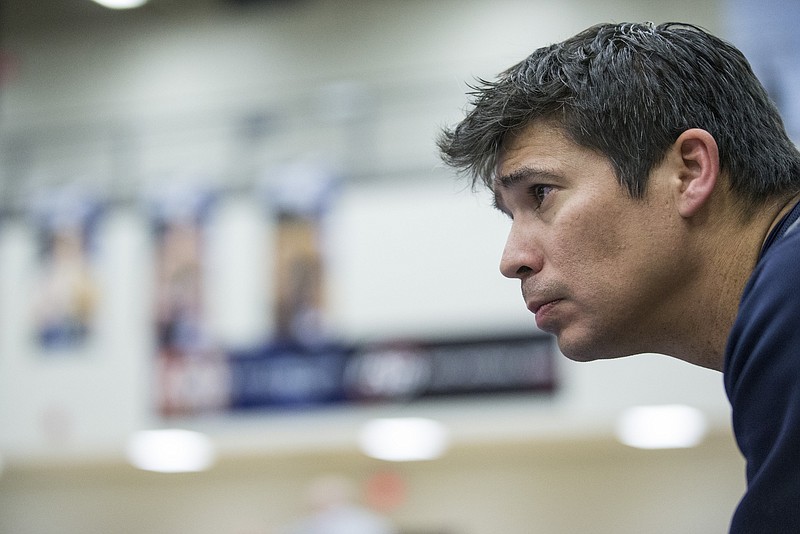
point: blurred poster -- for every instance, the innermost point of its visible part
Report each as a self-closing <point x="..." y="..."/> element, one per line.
<point x="299" y="200"/>
<point x="394" y="371"/>
<point x="299" y="279"/>
<point x="192" y="373"/>
<point x="288" y="375"/>
<point x="66" y="292"/>
<point x="301" y="362"/>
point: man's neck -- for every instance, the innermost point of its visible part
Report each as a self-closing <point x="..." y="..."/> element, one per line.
<point x="733" y="254"/>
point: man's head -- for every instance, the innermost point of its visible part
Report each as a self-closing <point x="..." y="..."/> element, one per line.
<point x="626" y="158"/>
<point x="628" y="91"/>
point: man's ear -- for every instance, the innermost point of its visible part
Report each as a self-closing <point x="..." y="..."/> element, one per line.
<point x="698" y="170"/>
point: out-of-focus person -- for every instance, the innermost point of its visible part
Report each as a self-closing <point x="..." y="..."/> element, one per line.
<point x="334" y="509"/>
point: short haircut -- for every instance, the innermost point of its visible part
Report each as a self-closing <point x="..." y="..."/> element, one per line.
<point x="628" y="91"/>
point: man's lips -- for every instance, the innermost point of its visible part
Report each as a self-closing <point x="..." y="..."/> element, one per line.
<point x="535" y="305"/>
<point x="544" y="312"/>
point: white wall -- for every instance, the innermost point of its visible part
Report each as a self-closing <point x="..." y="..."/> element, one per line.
<point x="129" y="104"/>
<point x="418" y="260"/>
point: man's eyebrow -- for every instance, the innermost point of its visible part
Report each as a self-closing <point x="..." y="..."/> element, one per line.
<point x="522" y="174"/>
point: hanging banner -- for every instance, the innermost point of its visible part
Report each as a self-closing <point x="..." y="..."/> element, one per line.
<point x="301" y="361"/>
<point x="298" y="200"/>
<point x="410" y="370"/>
<point x="191" y="369"/>
<point x="66" y="291"/>
<point x="398" y="371"/>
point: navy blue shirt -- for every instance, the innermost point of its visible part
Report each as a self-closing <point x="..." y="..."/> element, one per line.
<point x="762" y="381"/>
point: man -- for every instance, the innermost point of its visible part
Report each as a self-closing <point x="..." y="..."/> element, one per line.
<point x="651" y="188"/>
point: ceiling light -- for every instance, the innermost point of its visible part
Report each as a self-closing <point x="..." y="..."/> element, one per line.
<point x="121" y="4"/>
<point x="403" y="439"/>
<point x="170" y="451"/>
<point x="661" y="427"/>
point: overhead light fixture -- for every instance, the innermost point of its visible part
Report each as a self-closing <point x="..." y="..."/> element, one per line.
<point x="170" y="451"/>
<point x="121" y="4"/>
<point x="403" y="439"/>
<point x="666" y="426"/>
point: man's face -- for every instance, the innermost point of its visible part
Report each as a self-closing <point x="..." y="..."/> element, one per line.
<point x="597" y="267"/>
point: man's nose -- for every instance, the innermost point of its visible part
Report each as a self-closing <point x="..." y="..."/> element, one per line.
<point x="521" y="256"/>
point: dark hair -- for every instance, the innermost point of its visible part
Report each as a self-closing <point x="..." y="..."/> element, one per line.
<point x="629" y="90"/>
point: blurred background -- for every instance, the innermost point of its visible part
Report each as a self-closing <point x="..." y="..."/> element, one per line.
<point x="238" y="289"/>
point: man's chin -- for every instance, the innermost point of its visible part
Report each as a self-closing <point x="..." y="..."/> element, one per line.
<point x="580" y="357"/>
<point x="586" y="352"/>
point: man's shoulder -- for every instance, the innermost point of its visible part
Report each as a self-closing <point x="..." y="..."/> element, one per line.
<point x="769" y="309"/>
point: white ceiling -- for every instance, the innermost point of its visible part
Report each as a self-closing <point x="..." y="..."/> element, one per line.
<point x="37" y="15"/>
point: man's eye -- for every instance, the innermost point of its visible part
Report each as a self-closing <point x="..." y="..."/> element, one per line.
<point x="540" y="192"/>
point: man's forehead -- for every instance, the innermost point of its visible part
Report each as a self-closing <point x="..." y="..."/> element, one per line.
<point x="544" y="135"/>
<point x="531" y="150"/>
